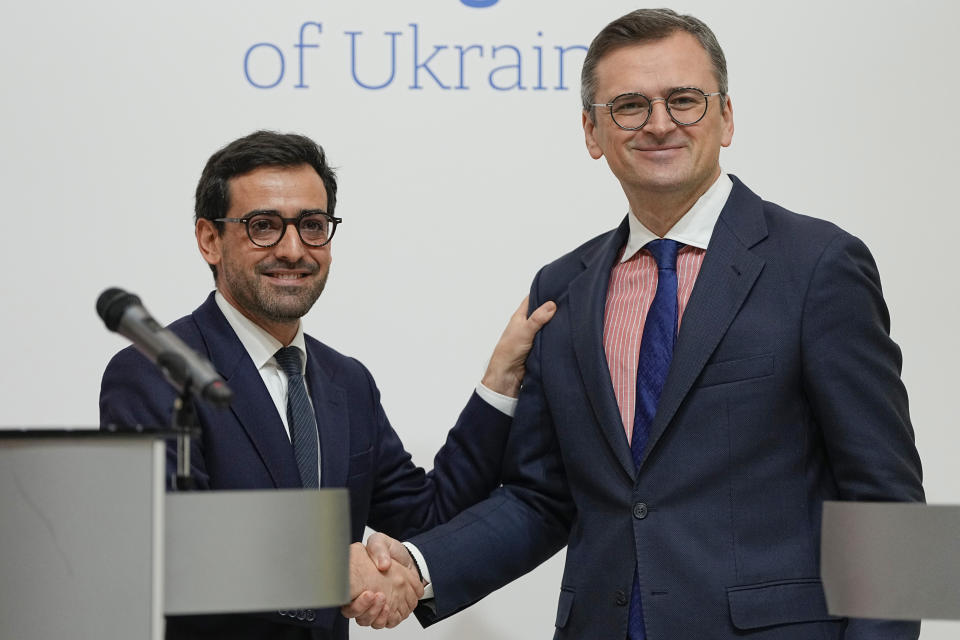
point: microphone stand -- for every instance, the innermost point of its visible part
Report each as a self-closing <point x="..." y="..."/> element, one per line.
<point x="186" y="426"/>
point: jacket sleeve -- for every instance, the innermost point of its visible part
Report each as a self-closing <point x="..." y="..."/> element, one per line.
<point x="521" y="525"/>
<point x="405" y="500"/>
<point x="133" y="395"/>
<point x="852" y="379"/>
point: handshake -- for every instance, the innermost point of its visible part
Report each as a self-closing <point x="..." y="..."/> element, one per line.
<point x="385" y="583"/>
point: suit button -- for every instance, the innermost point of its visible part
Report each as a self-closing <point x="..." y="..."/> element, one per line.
<point x="282" y="612"/>
<point x="311" y="616"/>
<point x="301" y="614"/>
<point x="640" y="511"/>
<point x="621" y="599"/>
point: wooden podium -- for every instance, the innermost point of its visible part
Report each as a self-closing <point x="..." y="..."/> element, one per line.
<point x="92" y="546"/>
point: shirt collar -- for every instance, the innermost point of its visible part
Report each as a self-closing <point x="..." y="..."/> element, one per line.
<point x="259" y="344"/>
<point x="693" y="229"/>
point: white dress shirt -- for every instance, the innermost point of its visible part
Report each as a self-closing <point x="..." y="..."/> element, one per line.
<point x="261" y="347"/>
<point x="693" y="229"/>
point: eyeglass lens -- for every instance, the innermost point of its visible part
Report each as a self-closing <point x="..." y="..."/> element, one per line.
<point x="685" y="106"/>
<point x="266" y="229"/>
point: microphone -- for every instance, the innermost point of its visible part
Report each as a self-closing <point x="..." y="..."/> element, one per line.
<point x="184" y="368"/>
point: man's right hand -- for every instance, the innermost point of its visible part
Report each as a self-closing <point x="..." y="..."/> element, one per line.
<point x="505" y="371"/>
<point x="384" y="551"/>
<point x="380" y="597"/>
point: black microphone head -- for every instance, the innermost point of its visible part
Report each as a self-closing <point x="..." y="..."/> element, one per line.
<point x="112" y="303"/>
<point x="218" y="394"/>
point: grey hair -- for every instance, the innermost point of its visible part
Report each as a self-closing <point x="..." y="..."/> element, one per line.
<point x="645" y="25"/>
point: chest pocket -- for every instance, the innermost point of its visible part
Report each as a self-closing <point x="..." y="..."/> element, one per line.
<point x="360" y="463"/>
<point x="736" y="370"/>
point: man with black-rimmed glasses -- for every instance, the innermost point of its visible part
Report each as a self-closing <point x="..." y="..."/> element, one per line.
<point x="303" y="415"/>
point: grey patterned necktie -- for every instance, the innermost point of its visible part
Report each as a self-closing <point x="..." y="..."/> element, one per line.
<point x="300" y="418"/>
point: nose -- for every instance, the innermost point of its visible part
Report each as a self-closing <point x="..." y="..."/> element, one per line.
<point x="659" y="123"/>
<point x="290" y="248"/>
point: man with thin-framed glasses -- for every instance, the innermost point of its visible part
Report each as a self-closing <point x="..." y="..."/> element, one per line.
<point x="303" y="415"/>
<point x="717" y="368"/>
<point x="685" y="106"/>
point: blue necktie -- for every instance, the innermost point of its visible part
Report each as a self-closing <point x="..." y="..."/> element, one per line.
<point x="656" y="352"/>
<point x="300" y="418"/>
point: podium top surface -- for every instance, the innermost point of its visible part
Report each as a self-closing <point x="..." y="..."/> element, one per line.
<point x="63" y="433"/>
<point x="898" y="561"/>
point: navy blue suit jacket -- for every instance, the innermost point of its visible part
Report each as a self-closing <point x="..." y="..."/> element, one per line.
<point x="784" y="391"/>
<point x="246" y="446"/>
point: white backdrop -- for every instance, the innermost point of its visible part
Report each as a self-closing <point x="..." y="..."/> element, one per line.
<point x="452" y="197"/>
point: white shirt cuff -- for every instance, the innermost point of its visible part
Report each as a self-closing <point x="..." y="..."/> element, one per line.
<point x="500" y="402"/>
<point x="424" y="571"/>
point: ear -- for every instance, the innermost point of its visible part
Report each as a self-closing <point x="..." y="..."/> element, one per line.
<point x="589" y="134"/>
<point x="727" y="117"/>
<point x="208" y="241"/>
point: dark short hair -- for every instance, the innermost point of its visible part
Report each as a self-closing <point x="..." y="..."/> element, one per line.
<point x="646" y="25"/>
<point x="259" y="149"/>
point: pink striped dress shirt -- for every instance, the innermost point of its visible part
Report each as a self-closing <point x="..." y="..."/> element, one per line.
<point x="633" y="283"/>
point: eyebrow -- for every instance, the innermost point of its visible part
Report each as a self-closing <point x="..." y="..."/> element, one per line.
<point x="274" y="212"/>
<point x="669" y="90"/>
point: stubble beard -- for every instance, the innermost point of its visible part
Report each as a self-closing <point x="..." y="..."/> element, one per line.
<point x="272" y="303"/>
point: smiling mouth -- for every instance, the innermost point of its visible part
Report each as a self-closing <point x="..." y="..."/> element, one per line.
<point x="286" y="278"/>
<point x="290" y="273"/>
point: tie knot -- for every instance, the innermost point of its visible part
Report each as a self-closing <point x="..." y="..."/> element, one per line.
<point x="664" y="252"/>
<point x="289" y="360"/>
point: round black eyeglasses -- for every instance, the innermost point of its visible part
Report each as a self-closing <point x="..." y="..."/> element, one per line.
<point x="266" y="228"/>
<point x="685" y="106"/>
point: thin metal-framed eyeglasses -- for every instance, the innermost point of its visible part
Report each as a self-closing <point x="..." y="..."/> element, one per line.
<point x="266" y="228"/>
<point x="685" y="106"/>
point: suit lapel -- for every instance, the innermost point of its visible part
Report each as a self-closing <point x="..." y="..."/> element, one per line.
<point x="252" y="405"/>
<point x="728" y="273"/>
<point x="588" y="295"/>
<point x="333" y="420"/>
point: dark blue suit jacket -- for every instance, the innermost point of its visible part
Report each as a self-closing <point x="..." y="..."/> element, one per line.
<point x="246" y="446"/>
<point x="784" y="391"/>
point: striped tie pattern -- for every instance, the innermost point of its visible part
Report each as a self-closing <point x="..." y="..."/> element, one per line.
<point x="300" y="418"/>
<point x="656" y="352"/>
